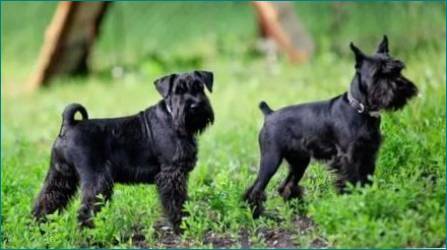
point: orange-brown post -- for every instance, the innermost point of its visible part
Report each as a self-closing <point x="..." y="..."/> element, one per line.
<point x="68" y="40"/>
<point x="272" y="25"/>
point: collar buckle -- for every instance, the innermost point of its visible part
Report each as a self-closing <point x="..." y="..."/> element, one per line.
<point x="168" y="108"/>
<point x="360" y="107"/>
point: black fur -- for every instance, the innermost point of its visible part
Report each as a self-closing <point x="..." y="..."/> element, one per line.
<point x="157" y="146"/>
<point x="344" y="134"/>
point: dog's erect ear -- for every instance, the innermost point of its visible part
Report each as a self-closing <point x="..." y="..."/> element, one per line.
<point x="164" y="84"/>
<point x="383" y="46"/>
<point x="359" y="55"/>
<point x="207" y="77"/>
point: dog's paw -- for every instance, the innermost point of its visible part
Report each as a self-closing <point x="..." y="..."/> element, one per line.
<point x="87" y="224"/>
<point x="290" y="191"/>
<point x="255" y="200"/>
<point x="257" y="211"/>
<point x="177" y="229"/>
<point x="164" y="226"/>
<point x="246" y="196"/>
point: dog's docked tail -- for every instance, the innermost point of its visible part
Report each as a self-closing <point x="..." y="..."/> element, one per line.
<point x="70" y="111"/>
<point x="266" y="110"/>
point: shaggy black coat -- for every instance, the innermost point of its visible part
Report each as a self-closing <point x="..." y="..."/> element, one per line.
<point x="157" y="146"/>
<point x="343" y="131"/>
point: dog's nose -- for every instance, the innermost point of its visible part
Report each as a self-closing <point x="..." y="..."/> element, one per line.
<point x="399" y="64"/>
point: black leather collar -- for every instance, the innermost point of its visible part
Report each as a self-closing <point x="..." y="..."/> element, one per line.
<point x="360" y="107"/>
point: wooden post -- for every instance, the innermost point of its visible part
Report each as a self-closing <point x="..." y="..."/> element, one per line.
<point x="68" y="41"/>
<point x="279" y="22"/>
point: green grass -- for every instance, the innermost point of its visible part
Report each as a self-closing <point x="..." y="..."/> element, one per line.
<point x="405" y="207"/>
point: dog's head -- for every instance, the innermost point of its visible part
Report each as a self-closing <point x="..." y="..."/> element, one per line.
<point x="378" y="81"/>
<point x="185" y="99"/>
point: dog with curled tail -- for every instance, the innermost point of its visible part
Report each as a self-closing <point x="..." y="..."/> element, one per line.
<point x="156" y="146"/>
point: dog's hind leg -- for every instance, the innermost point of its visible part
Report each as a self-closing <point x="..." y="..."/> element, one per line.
<point x="270" y="160"/>
<point x="290" y="189"/>
<point x="97" y="188"/>
<point x="59" y="187"/>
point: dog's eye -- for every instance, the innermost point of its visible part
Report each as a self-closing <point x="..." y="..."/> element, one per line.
<point x="179" y="90"/>
<point x="197" y="87"/>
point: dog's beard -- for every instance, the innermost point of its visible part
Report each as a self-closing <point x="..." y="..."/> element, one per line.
<point x="391" y="93"/>
<point x="198" y="121"/>
<point x="193" y="123"/>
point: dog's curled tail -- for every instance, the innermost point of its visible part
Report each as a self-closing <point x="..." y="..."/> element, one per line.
<point x="70" y="111"/>
<point x="266" y="110"/>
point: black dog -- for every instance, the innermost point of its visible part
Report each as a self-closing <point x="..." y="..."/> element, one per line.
<point x="343" y="131"/>
<point x="157" y="145"/>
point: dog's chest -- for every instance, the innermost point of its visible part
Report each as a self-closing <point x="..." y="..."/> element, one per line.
<point x="185" y="154"/>
<point x="344" y="139"/>
<point x="170" y="149"/>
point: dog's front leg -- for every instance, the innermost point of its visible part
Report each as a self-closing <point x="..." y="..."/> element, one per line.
<point x="359" y="165"/>
<point x="346" y="174"/>
<point x="357" y="171"/>
<point x="172" y="187"/>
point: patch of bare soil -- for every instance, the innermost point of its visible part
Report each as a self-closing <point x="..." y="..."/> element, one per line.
<point x="277" y="238"/>
<point x="272" y="237"/>
<point x="219" y="241"/>
<point x="305" y="224"/>
<point x="167" y="238"/>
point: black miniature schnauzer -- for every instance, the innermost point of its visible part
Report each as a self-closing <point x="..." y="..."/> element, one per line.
<point x="343" y="131"/>
<point x="157" y="145"/>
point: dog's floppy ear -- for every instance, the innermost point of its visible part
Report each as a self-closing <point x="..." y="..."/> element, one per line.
<point x="207" y="77"/>
<point x="359" y="55"/>
<point x="383" y="46"/>
<point x="164" y="84"/>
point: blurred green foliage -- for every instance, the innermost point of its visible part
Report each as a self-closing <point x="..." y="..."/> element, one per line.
<point x="405" y="207"/>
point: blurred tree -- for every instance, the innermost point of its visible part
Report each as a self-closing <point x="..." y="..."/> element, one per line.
<point x="68" y="40"/>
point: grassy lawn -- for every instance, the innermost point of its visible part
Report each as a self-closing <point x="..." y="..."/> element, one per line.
<point x="405" y="207"/>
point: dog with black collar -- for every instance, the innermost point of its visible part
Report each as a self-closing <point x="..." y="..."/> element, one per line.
<point x="343" y="131"/>
<point x="157" y="146"/>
